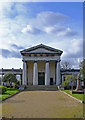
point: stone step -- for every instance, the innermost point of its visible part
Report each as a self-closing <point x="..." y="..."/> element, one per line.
<point x="42" y="87"/>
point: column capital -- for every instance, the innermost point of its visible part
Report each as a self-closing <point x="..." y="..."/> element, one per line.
<point x="24" y="61"/>
<point x="47" y="61"/>
<point x="35" y="61"/>
<point x="57" y="61"/>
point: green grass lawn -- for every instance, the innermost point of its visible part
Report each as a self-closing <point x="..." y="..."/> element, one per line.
<point x="78" y="96"/>
<point x="9" y="92"/>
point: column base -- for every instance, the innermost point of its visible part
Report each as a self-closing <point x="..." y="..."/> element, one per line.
<point x="58" y="83"/>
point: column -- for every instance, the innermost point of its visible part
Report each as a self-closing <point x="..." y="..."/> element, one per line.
<point x="62" y="78"/>
<point x="35" y="74"/>
<point x="24" y="82"/>
<point x="27" y="74"/>
<point x="47" y="78"/>
<point x="2" y="83"/>
<point x="58" y="73"/>
<point x="21" y="78"/>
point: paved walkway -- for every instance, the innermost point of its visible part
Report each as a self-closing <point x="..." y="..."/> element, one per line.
<point x="42" y="104"/>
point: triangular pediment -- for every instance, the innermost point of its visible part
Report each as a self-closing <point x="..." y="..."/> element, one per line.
<point x="41" y="49"/>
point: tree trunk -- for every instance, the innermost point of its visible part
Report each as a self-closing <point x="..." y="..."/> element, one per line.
<point x="10" y="83"/>
<point x="71" y="86"/>
<point x="79" y="87"/>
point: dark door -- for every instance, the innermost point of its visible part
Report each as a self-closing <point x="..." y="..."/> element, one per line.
<point x="41" y="78"/>
<point x="51" y="81"/>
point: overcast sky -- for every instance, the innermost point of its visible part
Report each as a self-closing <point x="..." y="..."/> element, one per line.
<point x="23" y="25"/>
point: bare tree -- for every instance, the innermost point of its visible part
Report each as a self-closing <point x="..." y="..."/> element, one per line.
<point x="65" y="65"/>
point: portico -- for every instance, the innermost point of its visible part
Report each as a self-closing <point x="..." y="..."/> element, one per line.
<point x="41" y="65"/>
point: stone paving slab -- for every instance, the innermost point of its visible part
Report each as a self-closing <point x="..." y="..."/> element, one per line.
<point x="41" y="104"/>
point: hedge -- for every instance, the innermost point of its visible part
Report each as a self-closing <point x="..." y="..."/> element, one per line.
<point x="3" y="89"/>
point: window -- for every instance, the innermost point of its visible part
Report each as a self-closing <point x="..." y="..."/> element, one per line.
<point x="35" y="55"/>
<point x="41" y="55"/>
<point x="52" y="55"/>
<point x="47" y="55"/>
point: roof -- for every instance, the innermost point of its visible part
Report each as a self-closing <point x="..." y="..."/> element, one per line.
<point x="45" y="49"/>
<point x="70" y="70"/>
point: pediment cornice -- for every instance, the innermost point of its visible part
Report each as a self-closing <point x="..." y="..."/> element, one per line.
<point x="41" y="49"/>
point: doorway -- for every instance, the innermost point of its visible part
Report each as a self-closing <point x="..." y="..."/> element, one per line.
<point x="51" y="81"/>
<point x="41" y="78"/>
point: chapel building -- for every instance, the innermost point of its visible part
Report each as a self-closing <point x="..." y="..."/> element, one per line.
<point x="41" y="65"/>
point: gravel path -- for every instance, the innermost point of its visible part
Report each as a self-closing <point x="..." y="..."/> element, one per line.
<point x="41" y="104"/>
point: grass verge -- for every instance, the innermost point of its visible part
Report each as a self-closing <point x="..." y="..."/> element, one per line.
<point x="78" y="96"/>
<point x="8" y="93"/>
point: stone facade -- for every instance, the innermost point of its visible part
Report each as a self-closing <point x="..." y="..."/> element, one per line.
<point x="41" y="65"/>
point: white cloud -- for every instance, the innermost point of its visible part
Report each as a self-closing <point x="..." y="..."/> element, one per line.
<point x="60" y="31"/>
<point x="10" y="62"/>
<point x="49" y="23"/>
<point x="54" y="29"/>
<point x="31" y="30"/>
<point x="15" y="17"/>
<point x="12" y="20"/>
<point x="72" y="50"/>
<point x="76" y="47"/>
<point x="50" y="18"/>
<point x="48" y="29"/>
<point x="67" y="32"/>
<point x="27" y="29"/>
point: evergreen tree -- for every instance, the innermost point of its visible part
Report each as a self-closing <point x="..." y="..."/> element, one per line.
<point x="9" y="77"/>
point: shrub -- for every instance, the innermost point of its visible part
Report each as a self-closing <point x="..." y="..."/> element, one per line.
<point x="66" y="84"/>
<point x="3" y="89"/>
<point x="71" y="79"/>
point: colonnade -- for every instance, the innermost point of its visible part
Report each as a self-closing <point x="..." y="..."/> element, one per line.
<point x="35" y="73"/>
